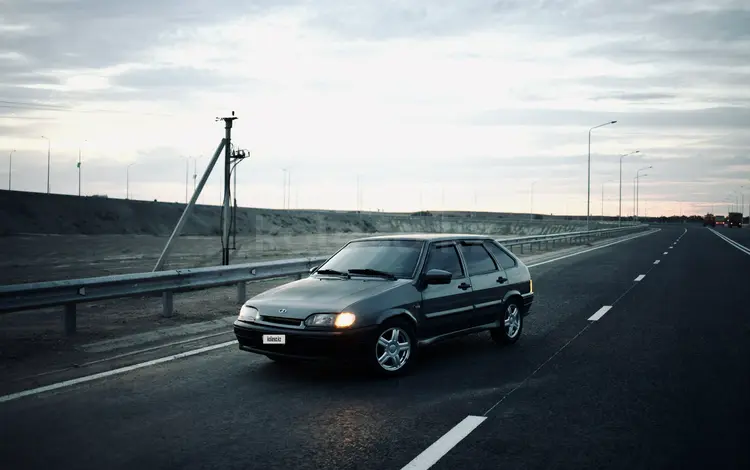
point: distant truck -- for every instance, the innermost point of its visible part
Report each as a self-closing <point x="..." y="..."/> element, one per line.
<point x="709" y="219"/>
<point x="734" y="220"/>
<point x="721" y="220"/>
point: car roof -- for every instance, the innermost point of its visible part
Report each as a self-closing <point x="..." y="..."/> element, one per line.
<point x="429" y="237"/>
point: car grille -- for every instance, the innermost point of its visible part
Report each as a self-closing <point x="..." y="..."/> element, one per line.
<point x="281" y="321"/>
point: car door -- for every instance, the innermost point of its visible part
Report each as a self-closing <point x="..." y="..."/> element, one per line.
<point x="488" y="280"/>
<point x="448" y="306"/>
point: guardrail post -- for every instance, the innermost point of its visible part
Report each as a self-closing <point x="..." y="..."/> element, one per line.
<point x="69" y="319"/>
<point x="241" y="297"/>
<point x="167" y="303"/>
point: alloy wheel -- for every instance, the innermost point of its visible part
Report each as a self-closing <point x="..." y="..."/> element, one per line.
<point x="393" y="349"/>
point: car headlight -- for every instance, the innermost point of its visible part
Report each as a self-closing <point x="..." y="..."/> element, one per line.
<point x="248" y="313"/>
<point x="328" y="320"/>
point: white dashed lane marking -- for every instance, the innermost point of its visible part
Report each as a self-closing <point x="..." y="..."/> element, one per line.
<point x="600" y="313"/>
<point x="442" y="446"/>
<point x="657" y="261"/>
<point x="640" y="277"/>
<point x="110" y="373"/>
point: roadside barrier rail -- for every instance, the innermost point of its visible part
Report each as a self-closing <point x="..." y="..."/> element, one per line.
<point x="71" y="292"/>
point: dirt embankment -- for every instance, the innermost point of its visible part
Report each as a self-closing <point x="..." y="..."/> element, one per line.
<point x="37" y="213"/>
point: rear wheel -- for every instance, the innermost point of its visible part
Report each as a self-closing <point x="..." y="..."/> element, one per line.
<point x="513" y="321"/>
<point x="393" y="348"/>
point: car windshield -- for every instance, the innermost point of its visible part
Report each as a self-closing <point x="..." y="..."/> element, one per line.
<point x="396" y="257"/>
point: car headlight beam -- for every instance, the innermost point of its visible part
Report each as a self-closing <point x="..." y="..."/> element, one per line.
<point x="344" y="320"/>
<point x="331" y="320"/>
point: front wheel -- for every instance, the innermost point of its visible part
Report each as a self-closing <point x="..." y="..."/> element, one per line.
<point x="394" y="348"/>
<point x="513" y="321"/>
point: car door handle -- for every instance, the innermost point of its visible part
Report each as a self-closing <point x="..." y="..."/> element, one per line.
<point x="464" y="286"/>
<point x="501" y="279"/>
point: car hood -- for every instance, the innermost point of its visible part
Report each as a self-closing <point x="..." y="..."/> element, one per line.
<point x="300" y="299"/>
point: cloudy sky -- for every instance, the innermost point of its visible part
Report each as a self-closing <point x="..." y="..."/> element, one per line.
<point x="431" y="104"/>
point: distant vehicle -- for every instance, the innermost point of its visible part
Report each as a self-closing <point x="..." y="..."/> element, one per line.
<point x="720" y="220"/>
<point x="378" y="299"/>
<point x="734" y="220"/>
<point x="709" y="219"/>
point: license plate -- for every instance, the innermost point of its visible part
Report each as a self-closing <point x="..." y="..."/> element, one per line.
<point x="274" y="339"/>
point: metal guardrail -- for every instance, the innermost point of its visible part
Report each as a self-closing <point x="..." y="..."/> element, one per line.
<point x="571" y="236"/>
<point x="69" y="293"/>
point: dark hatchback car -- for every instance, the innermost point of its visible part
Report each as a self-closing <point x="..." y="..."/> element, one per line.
<point x="378" y="299"/>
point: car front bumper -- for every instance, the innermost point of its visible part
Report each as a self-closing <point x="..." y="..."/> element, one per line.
<point x="306" y="344"/>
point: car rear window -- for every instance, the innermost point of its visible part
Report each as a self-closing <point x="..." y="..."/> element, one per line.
<point x="500" y="255"/>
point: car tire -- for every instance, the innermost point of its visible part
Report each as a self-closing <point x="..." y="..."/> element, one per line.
<point x="509" y="334"/>
<point x="386" y="356"/>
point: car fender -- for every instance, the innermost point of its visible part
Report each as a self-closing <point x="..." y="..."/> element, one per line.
<point x="511" y="293"/>
<point x="394" y="312"/>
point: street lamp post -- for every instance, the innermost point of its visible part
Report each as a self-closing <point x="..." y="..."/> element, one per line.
<point x="10" y="168"/>
<point x="187" y="177"/>
<point x="79" y="168"/>
<point x="636" y="181"/>
<point x="602" y="216"/>
<point x="637" y="188"/>
<point x="49" y="148"/>
<point x="588" y="199"/>
<point x="127" y="181"/>
<point x="287" y="187"/>
<point x="531" y="208"/>
<point x="619" y="213"/>
<point x="284" y="171"/>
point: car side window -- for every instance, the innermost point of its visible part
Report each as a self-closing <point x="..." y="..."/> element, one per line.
<point x="478" y="259"/>
<point x="501" y="256"/>
<point x="446" y="258"/>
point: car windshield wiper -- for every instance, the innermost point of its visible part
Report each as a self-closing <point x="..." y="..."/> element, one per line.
<point x="331" y="271"/>
<point x="373" y="272"/>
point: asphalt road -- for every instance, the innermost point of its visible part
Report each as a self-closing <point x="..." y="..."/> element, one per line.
<point x="662" y="380"/>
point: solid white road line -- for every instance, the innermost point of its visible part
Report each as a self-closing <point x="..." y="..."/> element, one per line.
<point x="591" y="249"/>
<point x="442" y="446"/>
<point x="657" y="261"/>
<point x="109" y="373"/>
<point x="640" y="277"/>
<point x="193" y="352"/>
<point x="735" y="244"/>
<point x="600" y="313"/>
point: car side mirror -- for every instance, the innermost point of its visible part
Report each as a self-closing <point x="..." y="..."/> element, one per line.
<point x="313" y="269"/>
<point x="438" y="276"/>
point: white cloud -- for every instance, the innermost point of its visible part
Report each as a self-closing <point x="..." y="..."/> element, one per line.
<point x="335" y="89"/>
